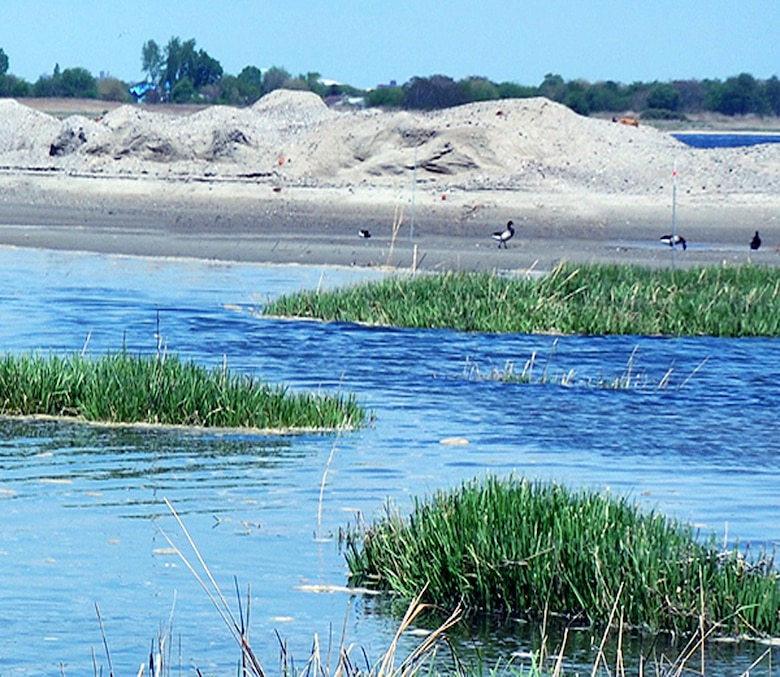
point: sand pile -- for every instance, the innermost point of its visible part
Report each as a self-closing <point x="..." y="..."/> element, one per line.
<point x="292" y="138"/>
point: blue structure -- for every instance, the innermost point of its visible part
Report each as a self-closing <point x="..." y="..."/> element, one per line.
<point x="140" y="90"/>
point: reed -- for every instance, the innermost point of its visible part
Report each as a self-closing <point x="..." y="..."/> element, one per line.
<point x="539" y="371"/>
<point x="524" y="548"/>
<point x="163" y="389"/>
<point x="391" y="664"/>
<point x="732" y="301"/>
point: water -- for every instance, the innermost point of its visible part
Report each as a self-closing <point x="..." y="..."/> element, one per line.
<point x="724" y="140"/>
<point x="83" y="519"/>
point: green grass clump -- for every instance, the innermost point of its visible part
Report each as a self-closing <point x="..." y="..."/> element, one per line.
<point x="590" y="299"/>
<point x="162" y="389"/>
<point x="521" y="548"/>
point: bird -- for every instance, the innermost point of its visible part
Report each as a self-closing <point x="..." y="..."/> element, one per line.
<point x="672" y="240"/>
<point x="755" y="243"/>
<point x="504" y="235"/>
<point x="364" y="233"/>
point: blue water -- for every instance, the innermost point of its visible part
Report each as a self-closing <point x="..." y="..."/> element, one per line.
<point x="83" y="519"/>
<point x="718" y="140"/>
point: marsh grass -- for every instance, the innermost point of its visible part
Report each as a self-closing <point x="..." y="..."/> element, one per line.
<point x="523" y="548"/>
<point x="422" y="659"/>
<point x="732" y="301"/>
<point x="162" y="389"/>
<point x="539" y="370"/>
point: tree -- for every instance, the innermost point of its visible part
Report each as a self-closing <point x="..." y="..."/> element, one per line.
<point x="313" y="84"/>
<point x="553" y="87"/>
<point x="183" y="91"/>
<point x="387" y="97"/>
<point x="607" y="96"/>
<point x="3" y="62"/>
<point x="511" y="90"/>
<point x="738" y="96"/>
<point x="14" y="87"/>
<point x="575" y="97"/>
<point x="438" y="91"/>
<point x="250" y="84"/>
<point x="112" y="89"/>
<point x="77" y="83"/>
<point x="298" y="84"/>
<point x="772" y="94"/>
<point x="663" y="96"/>
<point x="478" y="89"/>
<point x="152" y="61"/>
<point x="274" y="78"/>
<point x="692" y="95"/>
<point x="183" y="61"/>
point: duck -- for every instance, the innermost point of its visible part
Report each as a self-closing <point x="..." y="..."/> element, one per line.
<point x="503" y="236"/>
<point x="672" y="240"/>
<point x="364" y="233"/>
<point x="755" y="243"/>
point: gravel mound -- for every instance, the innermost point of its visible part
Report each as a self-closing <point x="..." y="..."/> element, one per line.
<point x="293" y="138"/>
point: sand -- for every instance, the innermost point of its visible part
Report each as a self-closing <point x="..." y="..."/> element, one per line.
<point x="292" y="181"/>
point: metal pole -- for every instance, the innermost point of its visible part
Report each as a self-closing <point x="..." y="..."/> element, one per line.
<point x="414" y="190"/>
<point x="674" y="212"/>
<point x="674" y="200"/>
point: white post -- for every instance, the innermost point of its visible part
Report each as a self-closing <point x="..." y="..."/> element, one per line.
<point x="674" y="212"/>
<point x="414" y="190"/>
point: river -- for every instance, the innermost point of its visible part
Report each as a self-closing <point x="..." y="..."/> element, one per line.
<point x="83" y="518"/>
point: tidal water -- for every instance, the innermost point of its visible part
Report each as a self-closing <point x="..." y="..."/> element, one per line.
<point x="724" y="140"/>
<point x="82" y="514"/>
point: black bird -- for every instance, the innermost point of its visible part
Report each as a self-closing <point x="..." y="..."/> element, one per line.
<point x="504" y="235"/>
<point x="364" y="233"/>
<point x="755" y="243"/>
<point x="672" y="240"/>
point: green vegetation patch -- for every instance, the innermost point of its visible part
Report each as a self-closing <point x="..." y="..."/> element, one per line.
<point x="591" y="299"/>
<point x="528" y="549"/>
<point x="123" y="388"/>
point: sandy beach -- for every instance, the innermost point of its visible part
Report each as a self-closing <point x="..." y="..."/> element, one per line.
<point x="290" y="181"/>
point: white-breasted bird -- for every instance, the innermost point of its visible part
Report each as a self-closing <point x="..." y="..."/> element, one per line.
<point x="503" y="236"/>
<point x="672" y="240"/>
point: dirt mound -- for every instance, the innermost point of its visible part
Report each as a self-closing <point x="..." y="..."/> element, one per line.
<point x="292" y="137"/>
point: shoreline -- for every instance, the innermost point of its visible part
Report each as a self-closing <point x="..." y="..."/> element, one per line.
<point x="247" y="222"/>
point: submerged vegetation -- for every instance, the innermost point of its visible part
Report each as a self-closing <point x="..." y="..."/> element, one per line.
<point x="162" y="389"/>
<point x="723" y="301"/>
<point x="529" y="549"/>
<point x="539" y="371"/>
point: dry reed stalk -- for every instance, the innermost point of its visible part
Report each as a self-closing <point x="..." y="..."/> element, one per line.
<point x="600" y="654"/>
<point x="105" y="641"/>
<point x="322" y="484"/>
<point x="412" y="663"/>
<point x="214" y="593"/>
<point x="398" y="219"/>
<point x="558" y="670"/>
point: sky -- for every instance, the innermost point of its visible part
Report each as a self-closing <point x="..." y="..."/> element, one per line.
<point x="367" y="42"/>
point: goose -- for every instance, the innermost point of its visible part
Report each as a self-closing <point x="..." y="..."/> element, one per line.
<point x="364" y="233"/>
<point x="504" y="235"/>
<point x="672" y="240"/>
<point x="755" y="243"/>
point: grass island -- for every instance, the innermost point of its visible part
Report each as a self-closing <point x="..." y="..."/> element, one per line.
<point x="727" y="301"/>
<point x="163" y="390"/>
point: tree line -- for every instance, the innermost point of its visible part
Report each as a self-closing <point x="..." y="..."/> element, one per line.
<point x="179" y="72"/>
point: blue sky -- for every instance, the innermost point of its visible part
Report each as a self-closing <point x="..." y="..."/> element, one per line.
<point x="366" y="42"/>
